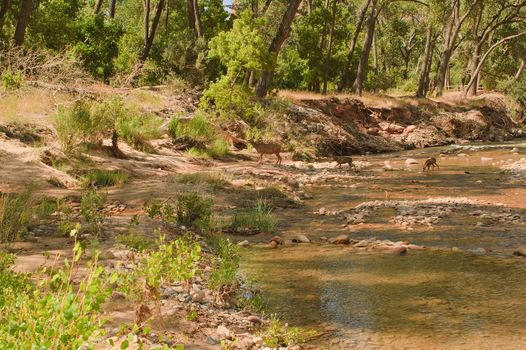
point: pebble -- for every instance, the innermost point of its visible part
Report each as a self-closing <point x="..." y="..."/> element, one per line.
<point x="303" y="239"/>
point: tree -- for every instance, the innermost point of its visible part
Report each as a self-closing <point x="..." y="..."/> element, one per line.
<point x="26" y="10"/>
<point x="451" y="31"/>
<point x="329" y="50"/>
<point x="149" y="30"/>
<point x="4" y="8"/>
<point x="364" y="57"/>
<point x="275" y="47"/>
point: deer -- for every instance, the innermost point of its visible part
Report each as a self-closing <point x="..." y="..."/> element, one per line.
<point x="431" y="162"/>
<point x="343" y="160"/>
<point x="267" y="148"/>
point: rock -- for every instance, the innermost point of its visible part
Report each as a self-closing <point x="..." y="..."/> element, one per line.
<point x="486" y="159"/>
<point x="245" y="344"/>
<point x="415" y="247"/>
<point x="479" y="251"/>
<point x="456" y="250"/>
<point x="211" y="341"/>
<point x="244" y="243"/>
<point x="303" y="239"/>
<point x="520" y="252"/>
<point x="323" y="238"/>
<point x="410" y="161"/>
<point x="109" y="255"/>
<point x="363" y="243"/>
<point x="341" y="239"/>
<point x="258" y="340"/>
<point x="409" y="129"/>
<point x="223" y="332"/>
<point x="388" y="167"/>
<point x="254" y="319"/>
<point x="515" y="150"/>
<point x="199" y="296"/>
<point x="276" y="239"/>
<point x="395" y="250"/>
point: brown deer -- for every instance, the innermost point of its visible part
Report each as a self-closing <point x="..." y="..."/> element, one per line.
<point x="267" y="148"/>
<point x="431" y="162"/>
<point x="343" y="160"/>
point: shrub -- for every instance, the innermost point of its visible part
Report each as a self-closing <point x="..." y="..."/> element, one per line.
<point x="173" y="261"/>
<point x="12" y="80"/>
<point x="15" y="214"/>
<point x="104" y="178"/>
<point x="218" y="148"/>
<point x="224" y="265"/>
<point x="10" y="280"/>
<point x="174" y="126"/>
<point x="74" y="125"/>
<point x="195" y="210"/>
<point x="55" y="181"/>
<point x="198" y="129"/>
<point x="161" y="210"/>
<point x="257" y="219"/>
<point x="278" y="334"/>
<point x="91" y="204"/>
<point x="134" y="240"/>
<point x="214" y="180"/>
<point x="137" y="130"/>
<point x="56" y="315"/>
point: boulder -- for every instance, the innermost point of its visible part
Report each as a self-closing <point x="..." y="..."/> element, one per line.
<point x="409" y="129"/>
<point x="341" y="239"/>
<point x="273" y="244"/>
<point x="277" y="239"/>
<point x="394" y="250"/>
<point x="411" y="161"/>
<point x="244" y="243"/>
<point x="302" y="239"/>
<point x="223" y="333"/>
<point x="362" y="244"/>
<point x="520" y="252"/>
<point x="198" y="296"/>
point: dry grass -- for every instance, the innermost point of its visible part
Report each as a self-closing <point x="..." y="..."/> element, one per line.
<point x="29" y="105"/>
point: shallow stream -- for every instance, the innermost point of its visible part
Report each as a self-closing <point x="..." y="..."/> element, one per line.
<point x="436" y="299"/>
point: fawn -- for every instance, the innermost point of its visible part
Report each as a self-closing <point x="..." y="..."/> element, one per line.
<point x="343" y="160"/>
<point x="267" y="148"/>
<point x="431" y="162"/>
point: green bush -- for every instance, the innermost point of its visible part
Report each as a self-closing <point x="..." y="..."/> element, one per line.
<point x="15" y="214"/>
<point x="198" y="129"/>
<point x="195" y="210"/>
<point x="218" y="148"/>
<point x="91" y="205"/>
<point x="12" y="80"/>
<point x="225" y="265"/>
<point x="104" y="178"/>
<point x="257" y="219"/>
<point x="278" y="334"/>
<point x="74" y="125"/>
<point x="134" y="240"/>
<point x="137" y="130"/>
<point x="214" y="180"/>
<point x="58" y="313"/>
<point x="10" y="280"/>
<point x="173" y="261"/>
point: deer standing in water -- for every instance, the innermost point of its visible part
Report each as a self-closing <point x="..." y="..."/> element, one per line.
<point x="431" y="162"/>
<point x="267" y="148"/>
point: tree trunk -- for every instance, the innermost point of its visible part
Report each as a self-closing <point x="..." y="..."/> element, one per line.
<point x="329" y="50"/>
<point x="147" y="9"/>
<point x="26" y="10"/>
<point x="151" y="31"/>
<point x="191" y="18"/>
<point x="6" y="5"/>
<point x="345" y="75"/>
<point x="113" y="5"/>
<point x="520" y="70"/>
<point x="197" y="17"/>
<point x="364" y="57"/>
<point x="423" y="82"/>
<point x="97" y="7"/>
<point x="265" y="7"/>
<point x="473" y="63"/>
<point x="275" y="47"/>
<point x="442" y="71"/>
<point x="486" y="54"/>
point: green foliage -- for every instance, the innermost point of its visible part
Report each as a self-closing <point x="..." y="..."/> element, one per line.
<point x="278" y="334"/>
<point x="56" y="182"/>
<point x="88" y="123"/>
<point x="98" y="44"/>
<point x="515" y="88"/>
<point x="104" y="178"/>
<point x="224" y="265"/>
<point x="136" y="130"/>
<point x="91" y="205"/>
<point x="218" y="148"/>
<point x="160" y="210"/>
<point x="134" y="240"/>
<point x="192" y="316"/>
<point x="15" y="214"/>
<point x="256" y="219"/>
<point x="12" y="80"/>
<point x="9" y="280"/>
<point x="196" y="179"/>
<point x="198" y="129"/>
<point x="57" y="314"/>
<point x="194" y="210"/>
<point x="172" y="261"/>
